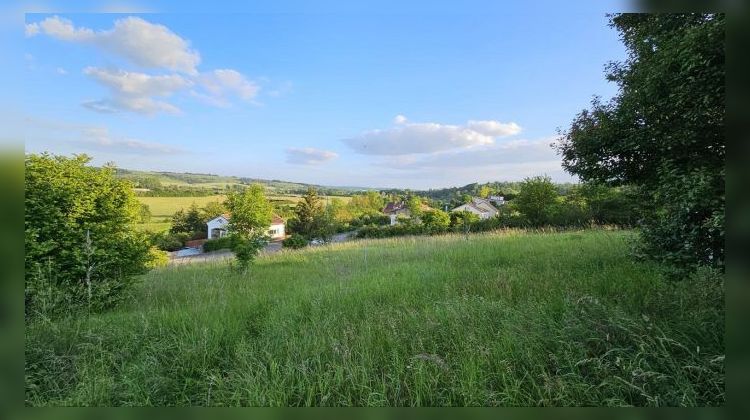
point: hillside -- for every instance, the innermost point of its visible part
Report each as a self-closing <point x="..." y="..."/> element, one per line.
<point x="187" y="183"/>
<point x="503" y="319"/>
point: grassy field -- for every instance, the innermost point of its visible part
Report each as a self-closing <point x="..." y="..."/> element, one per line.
<point x="162" y="208"/>
<point x="503" y="319"/>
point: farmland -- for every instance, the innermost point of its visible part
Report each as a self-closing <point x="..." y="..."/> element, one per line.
<point x="503" y="319"/>
<point x="162" y="208"/>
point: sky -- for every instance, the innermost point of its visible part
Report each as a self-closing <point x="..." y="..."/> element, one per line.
<point x="378" y="96"/>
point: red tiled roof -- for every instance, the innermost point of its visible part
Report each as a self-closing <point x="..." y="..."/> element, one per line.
<point x="393" y="207"/>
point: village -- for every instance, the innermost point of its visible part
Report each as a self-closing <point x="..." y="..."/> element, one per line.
<point x="396" y="211"/>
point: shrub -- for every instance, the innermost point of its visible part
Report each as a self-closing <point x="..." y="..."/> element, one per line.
<point x="217" y="244"/>
<point x="295" y="241"/>
<point x="79" y="235"/>
<point x="157" y="258"/>
<point x="169" y="241"/>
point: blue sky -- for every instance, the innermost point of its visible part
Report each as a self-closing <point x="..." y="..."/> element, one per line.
<point x="371" y="96"/>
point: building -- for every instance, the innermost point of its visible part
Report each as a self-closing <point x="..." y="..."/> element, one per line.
<point x="217" y="227"/>
<point x="394" y="210"/>
<point x="497" y="200"/>
<point x="479" y="206"/>
<point x="400" y="209"/>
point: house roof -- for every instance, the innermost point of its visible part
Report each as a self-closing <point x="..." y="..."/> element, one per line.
<point x="393" y="207"/>
<point x="479" y="204"/>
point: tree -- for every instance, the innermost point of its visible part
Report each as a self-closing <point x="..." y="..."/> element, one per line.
<point x="463" y="219"/>
<point x="414" y="204"/>
<point x="144" y="213"/>
<point x="485" y="191"/>
<point x="191" y="222"/>
<point x="307" y="214"/>
<point x="212" y="209"/>
<point x="369" y="203"/>
<point x="436" y="220"/>
<point x="663" y="132"/>
<point x="251" y="215"/>
<point x="536" y="199"/>
<point x="81" y="249"/>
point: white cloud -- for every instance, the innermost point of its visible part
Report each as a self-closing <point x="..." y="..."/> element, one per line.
<point x="31" y="29"/>
<point x="494" y="128"/>
<point x="60" y="136"/>
<point x="512" y="152"/>
<point x="308" y="156"/>
<point x="143" y="43"/>
<point x="218" y="86"/>
<point x="61" y="71"/>
<point x="99" y="139"/>
<point x="410" y="138"/>
<point x="135" y="91"/>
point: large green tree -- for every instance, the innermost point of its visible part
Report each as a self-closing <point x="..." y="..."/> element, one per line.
<point x="537" y="200"/>
<point x="312" y="219"/>
<point x="663" y="132"/>
<point x="250" y="216"/>
<point x="81" y="248"/>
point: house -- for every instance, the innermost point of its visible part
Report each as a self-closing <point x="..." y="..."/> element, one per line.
<point x="479" y="206"/>
<point x="497" y="200"/>
<point x="394" y="210"/>
<point x="217" y="227"/>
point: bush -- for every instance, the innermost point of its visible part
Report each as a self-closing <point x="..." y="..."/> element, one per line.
<point x="170" y="241"/>
<point x="295" y="241"/>
<point x="81" y="249"/>
<point x="157" y="258"/>
<point x="436" y="220"/>
<point x="217" y="244"/>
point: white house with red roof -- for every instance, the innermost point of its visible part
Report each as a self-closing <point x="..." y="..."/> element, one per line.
<point x="217" y="227"/>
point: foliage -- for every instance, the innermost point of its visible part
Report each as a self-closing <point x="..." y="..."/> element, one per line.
<point x="157" y="258"/>
<point x="212" y="209"/>
<point x="191" y="222"/>
<point x="168" y="241"/>
<point x="144" y="213"/>
<point x="312" y="219"/>
<point x="663" y="133"/>
<point x="225" y="242"/>
<point x="436" y="220"/>
<point x="80" y="246"/>
<point x="536" y="200"/>
<point x="370" y="203"/>
<point x="463" y="218"/>
<point x="414" y="204"/>
<point x="246" y="248"/>
<point x="508" y="319"/>
<point x="484" y="191"/>
<point x="295" y="241"/>
<point x="251" y="216"/>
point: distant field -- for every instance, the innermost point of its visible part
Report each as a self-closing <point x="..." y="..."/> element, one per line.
<point x="154" y="226"/>
<point x="162" y="208"/>
<point x="502" y="319"/>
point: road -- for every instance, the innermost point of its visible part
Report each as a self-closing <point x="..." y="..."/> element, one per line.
<point x="226" y="254"/>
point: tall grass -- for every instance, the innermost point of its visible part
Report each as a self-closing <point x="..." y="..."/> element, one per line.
<point x="513" y="319"/>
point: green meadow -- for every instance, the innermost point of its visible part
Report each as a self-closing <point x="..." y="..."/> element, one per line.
<point x="503" y="319"/>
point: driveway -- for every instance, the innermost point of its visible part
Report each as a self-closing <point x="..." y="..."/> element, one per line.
<point x="225" y="254"/>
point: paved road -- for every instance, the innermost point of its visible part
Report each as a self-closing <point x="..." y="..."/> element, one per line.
<point x="225" y="254"/>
